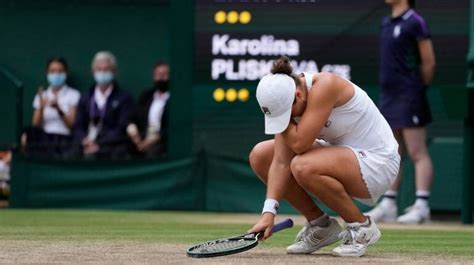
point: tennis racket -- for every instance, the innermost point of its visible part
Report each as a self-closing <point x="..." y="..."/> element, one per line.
<point x="232" y="245"/>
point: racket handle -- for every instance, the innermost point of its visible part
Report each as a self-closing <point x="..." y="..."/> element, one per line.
<point x="282" y="225"/>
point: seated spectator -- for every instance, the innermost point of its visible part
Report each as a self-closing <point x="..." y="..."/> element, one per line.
<point x="149" y="125"/>
<point x="103" y="113"/>
<point x="54" y="113"/>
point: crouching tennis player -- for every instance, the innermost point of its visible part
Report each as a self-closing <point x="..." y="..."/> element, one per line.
<point x="330" y="141"/>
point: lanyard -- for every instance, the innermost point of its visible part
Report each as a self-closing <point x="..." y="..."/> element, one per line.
<point x="95" y="114"/>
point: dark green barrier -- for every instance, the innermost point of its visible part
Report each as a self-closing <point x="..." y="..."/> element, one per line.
<point x="110" y="185"/>
<point x="10" y="110"/>
<point x="212" y="182"/>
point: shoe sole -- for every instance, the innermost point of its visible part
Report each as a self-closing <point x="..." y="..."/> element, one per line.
<point x="355" y="255"/>
<point x="324" y="243"/>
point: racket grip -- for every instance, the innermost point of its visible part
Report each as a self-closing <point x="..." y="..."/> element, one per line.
<point x="282" y="225"/>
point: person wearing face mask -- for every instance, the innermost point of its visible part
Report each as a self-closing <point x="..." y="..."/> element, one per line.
<point x="103" y="113"/>
<point x="149" y="125"/>
<point x="54" y="113"/>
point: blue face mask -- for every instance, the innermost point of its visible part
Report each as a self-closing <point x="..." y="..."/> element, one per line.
<point x="56" y="79"/>
<point x="103" y="77"/>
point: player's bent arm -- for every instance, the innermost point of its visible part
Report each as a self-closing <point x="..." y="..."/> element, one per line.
<point x="279" y="172"/>
<point x="321" y="100"/>
<point x="428" y="60"/>
<point x="278" y="176"/>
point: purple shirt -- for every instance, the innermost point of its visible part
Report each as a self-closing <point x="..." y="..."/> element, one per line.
<point x="399" y="52"/>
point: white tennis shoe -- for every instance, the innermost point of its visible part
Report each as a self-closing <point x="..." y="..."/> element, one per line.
<point x="415" y="214"/>
<point x="356" y="239"/>
<point x="384" y="212"/>
<point x="311" y="238"/>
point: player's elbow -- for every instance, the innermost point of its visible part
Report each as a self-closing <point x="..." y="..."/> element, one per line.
<point x="299" y="147"/>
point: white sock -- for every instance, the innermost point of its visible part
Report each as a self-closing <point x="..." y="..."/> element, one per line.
<point x="391" y="193"/>
<point x="422" y="197"/>
<point x="390" y="199"/>
<point x="321" y="221"/>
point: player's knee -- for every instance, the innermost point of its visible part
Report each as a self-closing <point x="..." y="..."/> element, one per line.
<point x="257" y="159"/>
<point x="256" y="155"/>
<point x="300" y="168"/>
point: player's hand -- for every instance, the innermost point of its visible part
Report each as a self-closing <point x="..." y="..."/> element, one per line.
<point x="264" y="224"/>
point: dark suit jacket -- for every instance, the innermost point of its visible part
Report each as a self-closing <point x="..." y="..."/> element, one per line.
<point x="140" y="116"/>
<point x="117" y="115"/>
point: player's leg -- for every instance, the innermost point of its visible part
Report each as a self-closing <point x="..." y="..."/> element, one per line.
<point x="260" y="159"/>
<point x="333" y="175"/>
<point x="398" y="133"/>
<point x="387" y="210"/>
<point x="415" y="140"/>
<point x="320" y="230"/>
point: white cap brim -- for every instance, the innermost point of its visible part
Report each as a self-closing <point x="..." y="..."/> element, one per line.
<point x="278" y="124"/>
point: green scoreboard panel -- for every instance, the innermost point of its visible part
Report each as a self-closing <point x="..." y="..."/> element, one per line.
<point x="235" y="43"/>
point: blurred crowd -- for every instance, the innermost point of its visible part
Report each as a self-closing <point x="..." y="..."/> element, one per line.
<point x="103" y="122"/>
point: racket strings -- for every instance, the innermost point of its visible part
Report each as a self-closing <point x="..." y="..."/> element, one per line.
<point x="219" y="246"/>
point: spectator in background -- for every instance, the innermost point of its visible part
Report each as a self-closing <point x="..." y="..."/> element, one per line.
<point x="103" y="113"/>
<point x="5" y="162"/>
<point x="54" y="113"/>
<point x="149" y="125"/>
<point x="406" y="70"/>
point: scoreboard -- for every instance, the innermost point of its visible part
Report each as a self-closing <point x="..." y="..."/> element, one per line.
<point x="236" y="40"/>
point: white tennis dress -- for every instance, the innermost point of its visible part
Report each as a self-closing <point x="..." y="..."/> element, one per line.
<point x="359" y="125"/>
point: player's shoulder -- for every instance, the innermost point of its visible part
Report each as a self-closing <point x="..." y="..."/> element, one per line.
<point x="325" y="81"/>
<point x="325" y="77"/>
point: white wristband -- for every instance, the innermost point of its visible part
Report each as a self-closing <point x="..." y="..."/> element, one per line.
<point x="270" y="206"/>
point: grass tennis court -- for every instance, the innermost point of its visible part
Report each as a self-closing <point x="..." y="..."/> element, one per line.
<point x="61" y="236"/>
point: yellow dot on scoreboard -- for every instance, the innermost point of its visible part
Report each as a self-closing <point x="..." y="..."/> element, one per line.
<point x="231" y="95"/>
<point x="219" y="94"/>
<point x="220" y="17"/>
<point x="243" y="94"/>
<point x="245" y="17"/>
<point x="232" y="17"/>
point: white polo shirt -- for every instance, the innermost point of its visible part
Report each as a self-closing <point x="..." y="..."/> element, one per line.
<point x="156" y="111"/>
<point x="101" y="98"/>
<point x="68" y="98"/>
